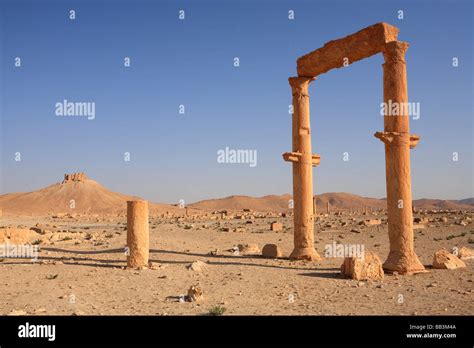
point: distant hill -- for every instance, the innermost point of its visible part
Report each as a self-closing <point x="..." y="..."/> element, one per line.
<point x="275" y="203"/>
<point x="88" y="196"/>
<point x="337" y="201"/>
<point x="468" y="201"/>
<point x="346" y="201"/>
<point x="266" y="203"/>
<point x="91" y="197"/>
<point x="463" y="204"/>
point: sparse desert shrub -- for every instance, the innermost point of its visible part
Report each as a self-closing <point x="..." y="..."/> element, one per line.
<point x="37" y="242"/>
<point x="217" y="310"/>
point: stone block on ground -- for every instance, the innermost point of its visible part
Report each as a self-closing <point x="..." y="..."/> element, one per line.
<point x="367" y="268"/>
<point x="443" y="259"/>
<point x="272" y="251"/>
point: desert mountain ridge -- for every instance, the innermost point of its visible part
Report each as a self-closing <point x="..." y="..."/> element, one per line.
<point x="75" y="194"/>
<point x="79" y="194"/>
<point x="337" y="201"/>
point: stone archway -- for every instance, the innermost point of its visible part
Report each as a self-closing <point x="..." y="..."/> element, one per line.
<point x="378" y="38"/>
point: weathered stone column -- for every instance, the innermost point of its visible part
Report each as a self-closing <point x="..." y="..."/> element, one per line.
<point x="303" y="161"/>
<point x="138" y="239"/>
<point x="398" y="141"/>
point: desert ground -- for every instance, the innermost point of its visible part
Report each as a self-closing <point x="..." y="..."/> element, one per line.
<point x="81" y="268"/>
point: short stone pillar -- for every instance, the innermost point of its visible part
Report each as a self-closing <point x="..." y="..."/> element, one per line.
<point x="398" y="142"/>
<point x="303" y="161"/>
<point x="138" y="236"/>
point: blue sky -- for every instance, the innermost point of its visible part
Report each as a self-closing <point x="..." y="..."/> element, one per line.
<point x="190" y="62"/>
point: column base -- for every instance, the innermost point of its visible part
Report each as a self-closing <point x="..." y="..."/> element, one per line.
<point x="309" y="254"/>
<point x="403" y="264"/>
<point x="134" y="264"/>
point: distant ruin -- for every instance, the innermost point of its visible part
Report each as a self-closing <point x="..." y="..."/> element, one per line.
<point x="75" y="177"/>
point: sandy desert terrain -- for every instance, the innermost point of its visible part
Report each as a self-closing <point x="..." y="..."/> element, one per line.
<point x="81" y="266"/>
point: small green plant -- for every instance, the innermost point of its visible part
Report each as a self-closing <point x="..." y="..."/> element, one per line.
<point x="450" y="237"/>
<point x="67" y="238"/>
<point x="88" y="236"/>
<point x="109" y="235"/>
<point x="37" y="242"/>
<point x="217" y="310"/>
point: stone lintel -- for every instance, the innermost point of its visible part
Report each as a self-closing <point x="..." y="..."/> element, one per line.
<point x="296" y="157"/>
<point x="360" y="45"/>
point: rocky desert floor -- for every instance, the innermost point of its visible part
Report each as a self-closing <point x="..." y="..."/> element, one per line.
<point x="81" y="268"/>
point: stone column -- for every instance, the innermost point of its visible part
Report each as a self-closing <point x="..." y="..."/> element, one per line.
<point x="398" y="141"/>
<point x="138" y="239"/>
<point x="302" y="160"/>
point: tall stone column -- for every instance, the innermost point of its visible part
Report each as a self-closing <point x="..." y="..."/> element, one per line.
<point x="398" y="142"/>
<point x="138" y="237"/>
<point x="303" y="161"/>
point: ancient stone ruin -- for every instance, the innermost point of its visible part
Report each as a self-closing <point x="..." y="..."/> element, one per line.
<point x="74" y="177"/>
<point x="138" y="237"/>
<point x="378" y="38"/>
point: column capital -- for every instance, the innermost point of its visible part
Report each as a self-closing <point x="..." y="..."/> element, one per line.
<point x="299" y="85"/>
<point x="398" y="139"/>
<point x="394" y="51"/>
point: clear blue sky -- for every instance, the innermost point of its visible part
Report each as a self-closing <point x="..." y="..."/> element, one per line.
<point x="190" y="62"/>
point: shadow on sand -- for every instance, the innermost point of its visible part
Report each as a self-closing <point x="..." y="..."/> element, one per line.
<point x="224" y="260"/>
